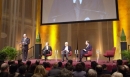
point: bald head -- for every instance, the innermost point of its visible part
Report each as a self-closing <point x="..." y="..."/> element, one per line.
<point x="4" y="67"/>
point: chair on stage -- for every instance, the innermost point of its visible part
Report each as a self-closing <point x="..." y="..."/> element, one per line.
<point x="48" y="54"/>
<point x="70" y="53"/>
<point x="89" y="54"/>
<point x="110" y="53"/>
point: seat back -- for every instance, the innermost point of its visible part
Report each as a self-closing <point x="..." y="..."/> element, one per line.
<point x="111" y="52"/>
<point x="89" y="53"/>
<point x="70" y="53"/>
<point x="49" y="54"/>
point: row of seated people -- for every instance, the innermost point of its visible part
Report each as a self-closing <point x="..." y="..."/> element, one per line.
<point x="20" y="69"/>
<point x="66" y="51"/>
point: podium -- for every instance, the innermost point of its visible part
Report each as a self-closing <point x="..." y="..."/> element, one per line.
<point x="38" y="48"/>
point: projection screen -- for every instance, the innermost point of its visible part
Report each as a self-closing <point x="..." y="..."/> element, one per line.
<point x="62" y="11"/>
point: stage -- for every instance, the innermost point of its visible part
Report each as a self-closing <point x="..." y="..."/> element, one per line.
<point x="110" y="64"/>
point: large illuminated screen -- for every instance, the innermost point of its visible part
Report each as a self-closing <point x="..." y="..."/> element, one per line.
<point x="59" y="11"/>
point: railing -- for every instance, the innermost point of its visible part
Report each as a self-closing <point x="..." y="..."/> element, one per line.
<point x="32" y="52"/>
<point x="20" y="53"/>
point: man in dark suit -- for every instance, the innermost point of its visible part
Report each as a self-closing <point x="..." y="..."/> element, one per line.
<point x="76" y="10"/>
<point x="65" y="51"/>
<point x="85" y="50"/>
<point x="25" y="44"/>
<point x="46" y="50"/>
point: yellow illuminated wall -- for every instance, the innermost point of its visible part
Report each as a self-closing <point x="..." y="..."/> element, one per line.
<point x="50" y="33"/>
<point x="123" y="23"/>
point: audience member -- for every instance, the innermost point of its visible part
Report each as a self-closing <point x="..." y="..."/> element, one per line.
<point x="121" y="69"/>
<point x="60" y="65"/>
<point x="40" y="71"/>
<point x="117" y="74"/>
<point x="28" y="63"/>
<point x="13" y="70"/>
<point x="31" y="70"/>
<point x="37" y="62"/>
<point x="65" y="73"/>
<point x="127" y="71"/>
<point x="48" y="66"/>
<point x="99" y="70"/>
<point x="55" y="71"/>
<point x="70" y="61"/>
<point x="11" y="62"/>
<point x="79" y="71"/>
<point x="22" y="71"/>
<point x="92" y="73"/>
<point x="119" y="62"/>
<point x="105" y="70"/>
<point x="93" y="65"/>
<point x="4" y="70"/>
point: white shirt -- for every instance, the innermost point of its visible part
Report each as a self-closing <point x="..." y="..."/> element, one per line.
<point x="80" y="1"/>
<point x="66" y="48"/>
<point x="47" y="47"/>
<point x="24" y="39"/>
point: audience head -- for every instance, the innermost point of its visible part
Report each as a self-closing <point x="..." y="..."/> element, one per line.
<point x="20" y="64"/>
<point x="119" y="62"/>
<point x="67" y="64"/>
<point x="69" y="67"/>
<point x="121" y="69"/>
<point x="40" y="70"/>
<point x="59" y="64"/>
<point x="13" y="68"/>
<point x="22" y="69"/>
<point x="48" y="64"/>
<point x="92" y="73"/>
<point x="19" y="61"/>
<point x="93" y="64"/>
<point x="70" y="61"/>
<point x="32" y="68"/>
<point x="65" y="73"/>
<point x="11" y="62"/>
<point x="4" y="67"/>
<point x="99" y="69"/>
<point x="83" y="64"/>
<point x="28" y="63"/>
<point x="44" y="64"/>
<point x="55" y="65"/>
<point x="117" y="74"/>
<point x="104" y="67"/>
<point x="127" y="68"/>
<point x="79" y="67"/>
<point x="37" y="62"/>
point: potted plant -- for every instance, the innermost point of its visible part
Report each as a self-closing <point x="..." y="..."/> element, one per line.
<point x="38" y="38"/>
<point x="10" y="51"/>
<point x="126" y="55"/>
<point x="3" y="56"/>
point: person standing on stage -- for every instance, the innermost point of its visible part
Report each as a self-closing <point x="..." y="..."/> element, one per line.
<point x="65" y="51"/>
<point x="46" y="50"/>
<point x="85" y="50"/>
<point x="25" y="44"/>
